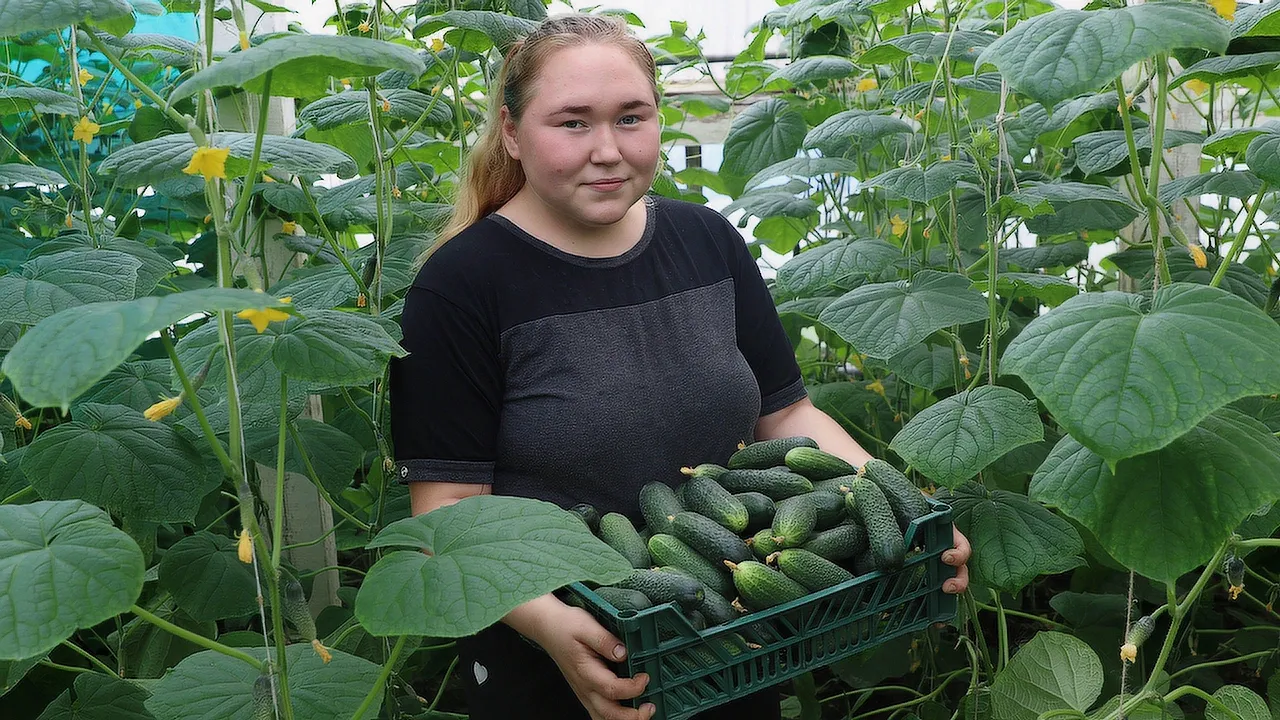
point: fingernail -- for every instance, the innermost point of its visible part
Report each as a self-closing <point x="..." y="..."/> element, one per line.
<point x="643" y="677"/>
<point x="949" y="557"/>
<point x="618" y="652"/>
<point x="649" y="709"/>
<point x="949" y="586"/>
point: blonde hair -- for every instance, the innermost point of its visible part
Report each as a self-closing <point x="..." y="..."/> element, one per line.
<point x="491" y="176"/>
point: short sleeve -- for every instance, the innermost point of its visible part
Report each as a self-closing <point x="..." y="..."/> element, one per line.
<point x="446" y="393"/>
<point x="761" y="337"/>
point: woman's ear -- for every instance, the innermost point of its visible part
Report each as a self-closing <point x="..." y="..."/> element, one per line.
<point x="508" y="129"/>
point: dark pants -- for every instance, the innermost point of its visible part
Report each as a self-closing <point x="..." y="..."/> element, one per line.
<point x="522" y="681"/>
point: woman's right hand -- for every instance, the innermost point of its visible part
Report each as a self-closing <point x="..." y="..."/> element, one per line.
<point x="580" y="646"/>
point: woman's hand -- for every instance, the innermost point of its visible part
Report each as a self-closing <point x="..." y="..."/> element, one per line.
<point x="579" y="646"/>
<point x="957" y="557"/>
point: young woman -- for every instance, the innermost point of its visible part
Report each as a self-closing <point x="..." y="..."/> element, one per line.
<point x="576" y="338"/>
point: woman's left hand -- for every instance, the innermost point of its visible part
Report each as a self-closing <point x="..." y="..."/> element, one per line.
<point x="957" y="557"/>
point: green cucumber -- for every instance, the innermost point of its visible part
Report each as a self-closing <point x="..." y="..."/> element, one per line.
<point x="767" y="453"/>
<point x="670" y="550"/>
<point x="867" y="503"/>
<point x="762" y="543"/>
<point x="906" y="500"/>
<point x="829" y="506"/>
<point x="618" y="533"/>
<point x="809" y="569"/>
<point x="760" y="509"/>
<point x="795" y="520"/>
<point x="816" y="464"/>
<point x="760" y="586"/>
<point x="589" y="516"/>
<point x="839" y="485"/>
<point x="665" y="587"/>
<point x="624" y="599"/>
<point x="864" y="563"/>
<point x="842" y="542"/>
<point x="707" y="497"/>
<point x="706" y="470"/>
<point x="658" y="505"/>
<point x="717" y="609"/>
<point x="709" y="538"/>
<point x="777" y="483"/>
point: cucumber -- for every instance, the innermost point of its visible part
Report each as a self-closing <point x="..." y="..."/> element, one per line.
<point x="658" y="505"/>
<point x="829" y="506"/>
<point x="706" y="470"/>
<point x="589" y="516"/>
<point x="810" y="570"/>
<point x="760" y="509"/>
<point x="864" y="563"/>
<point x="816" y="464"/>
<point x="795" y="520"/>
<point x="762" y="543"/>
<point x="839" y="485"/>
<point x="707" y="497"/>
<point x="777" y="483"/>
<point x="665" y="587"/>
<point x="710" y="539"/>
<point x="624" y="599"/>
<point x="867" y="503"/>
<point x="906" y="500"/>
<point x="842" y="542"/>
<point x="618" y="533"/>
<point x="717" y="609"/>
<point x="669" y="550"/>
<point x="767" y="453"/>
<point x="760" y="586"/>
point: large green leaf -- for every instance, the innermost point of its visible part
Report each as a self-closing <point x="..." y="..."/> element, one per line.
<point x="953" y="439"/>
<point x="42" y="100"/>
<point x="1263" y="155"/>
<point x="1217" y="69"/>
<point x="767" y="203"/>
<point x="1232" y="141"/>
<point x="18" y="17"/>
<point x="1064" y="53"/>
<point x="1245" y="703"/>
<point x="12" y="672"/>
<point x="1014" y="540"/>
<point x="334" y="347"/>
<point x="883" y="319"/>
<point x="1065" y="207"/>
<point x="93" y="696"/>
<point x="137" y="384"/>
<point x="502" y="30"/>
<point x="62" y="567"/>
<point x="212" y="686"/>
<point x="1054" y="671"/>
<point x="1052" y="290"/>
<point x="14" y="173"/>
<point x="353" y="106"/>
<point x="923" y="184"/>
<point x="962" y="45"/>
<point x="117" y="459"/>
<point x="332" y="286"/>
<point x="1103" y="150"/>
<point x="1125" y="378"/>
<point x="837" y="265"/>
<point x="803" y="166"/>
<point x="1256" y="20"/>
<point x="335" y="456"/>
<point x="1228" y="183"/>
<point x="1239" y="279"/>
<point x="1046" y="256"/>
<point x="204" y="575"/>
<point x="814" y="68"/>
<point x="301" y="65"/>
<point x="767" y="132"/>
<point x="484" y="556"/>
<point x="931" y="367"/>
<point x="49" y="284"/>
<point x="1166" y="512"/>
<point x="147" y="163"/>
<point x="853" y="130"/>
<point x="87" y="342"/>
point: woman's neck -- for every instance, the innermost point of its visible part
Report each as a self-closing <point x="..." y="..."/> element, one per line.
<point x="532" y="215"/>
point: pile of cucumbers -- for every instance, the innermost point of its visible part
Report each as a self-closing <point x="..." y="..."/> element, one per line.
<point x="782" y="520"/>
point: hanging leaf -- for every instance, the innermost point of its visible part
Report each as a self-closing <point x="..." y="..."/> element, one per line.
<point x="501" y="29"/>
<point x="767" y="132"/>
<point x="1054" y="671"/>
<point x="926" y="366"/>
<point x="958" y="45"/>
<point x="204" y="575"/>
<point x="334" y="455"/>
<point x="50" y="284"/>
<point x="1233" y="141"/>
<point x="353" y="107"/>
<point x="14" y="173"/>
<point x="1256" y="20"/>
<point x="20" y="98"/>
<point x="1125" y="377"/>
<point x="147" y="163"/>
<point x="1045" y="256"/>
<point x="94" y="696"/>
<point x="1063" y="207"/>
<point x="838" y="265"/>
<point x="1228" y="67"/>
<point x="923" y="184"/>
<point x="1165" y="513"/>
<point x="772" y="203"/>
<point x="883" y="319"/>
<point x="1100" y="151"/>
<point x="853" y="130"/>
<point x="803" y="166"/>
<point x="18" y="17"/>
<point x="334" y="347"/>
<point x="1245" y="703"/>
<point x="1052" y="290"/>
<point x="1239" y="279"/>
<point x="952" y="440"/>
<point x="1227" y="183"/>
<point x="813" y="69"/>
<point x="1064" y="53"/>
<point x="136" y="384"/>
<point x="301" y="65"/>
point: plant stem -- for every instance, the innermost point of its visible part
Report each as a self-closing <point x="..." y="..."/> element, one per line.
<point x="1153" y="178"/>
<point x="1002" y="629"/>
<point x="333" y="241"/>
<point x="189" y="393"/>
<point x="277" y="520"/>
<point x="184" y="120"/>
<point x="19" y="496"/>
<point x="1219" y="663"/>
<point x="200" y="640"/>
<point x="251" y="178"/>
<point x="382" y="678"/>
<point x="89" y="656"/>
<point x="315" y="479"/>
<point x="1237" y="243"/>
<point x="1211" y="700"/>
<point x="444" y="681"/>
<point x="65" y="668"/>
<point x="1025" y="616"/>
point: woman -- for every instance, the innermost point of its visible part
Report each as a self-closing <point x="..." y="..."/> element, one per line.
<point x="576" y="338"/>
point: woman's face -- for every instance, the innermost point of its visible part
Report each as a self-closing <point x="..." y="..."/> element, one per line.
<point x="589" y="137"/>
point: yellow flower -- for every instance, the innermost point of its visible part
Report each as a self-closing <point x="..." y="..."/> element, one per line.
<point x="386" y="105"/>
<point x="261" y="318"/>
<point x="395" y="192"/>
<point x="288" y="226"/>
<point x="244" y="40"/>
<point x="865" y="84"/>
<point x="1234" y="591"/>
<point x="1197" y="255"/>
<point x="22" y="422"/>
<point x="897" y="225"/>
<point x="208" y="219"/>
<point x="437" y="45"/>
<point x="1225" y="8"/>
<point x="69" y="223"/>
<point x="162" y="409"/>
<point x="209" y="162"/>
<point x="85" y="130"/>
<point x="876" y="387"/>
<point x="1195" y="87"/>
<point x="267" y="179"/>
<point x="244" y="548"/>
<point x="362" y="300"/>
<point x="1128" y="652"/>
<point x="85" y="76"/>
<point x="346" y="83"/>
<point x="137" y="103"/>
<point x="364" y="27"/>
<point x="322" y="651"/>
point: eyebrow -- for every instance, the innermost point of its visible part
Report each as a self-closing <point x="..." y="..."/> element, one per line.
<point x="584" y="109"/>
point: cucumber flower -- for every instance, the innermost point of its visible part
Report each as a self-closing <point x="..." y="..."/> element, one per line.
<point x="867" y="83"/>
<point x="261" y="318"/>
<point x="85" y="129"/>
<point x="1225" y="8"/>
<point x="1197" y="255"/>
<point x="244" y="547"/>
<point x="162" y="409"/>
<point x="210" y="162"/>
<point x="85" y="76"/>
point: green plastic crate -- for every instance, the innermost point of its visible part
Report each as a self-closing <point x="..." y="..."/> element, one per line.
<point x="690" y="670"/>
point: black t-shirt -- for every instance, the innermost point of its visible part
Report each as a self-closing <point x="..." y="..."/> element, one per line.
<point x="574" y="379"/>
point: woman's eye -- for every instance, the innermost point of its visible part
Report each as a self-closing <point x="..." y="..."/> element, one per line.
<point x="571" y="124"/>
<point x="634" y="118"/>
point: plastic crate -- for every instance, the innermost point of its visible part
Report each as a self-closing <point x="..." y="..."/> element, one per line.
<point x="690" y="670"/>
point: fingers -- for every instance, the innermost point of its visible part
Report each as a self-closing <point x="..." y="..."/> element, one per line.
<point x="959" y="583"/>
<point x="957" y="557"/>
<point x="602" y="690"/>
